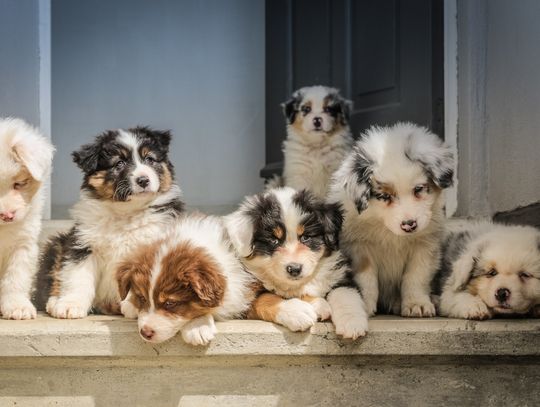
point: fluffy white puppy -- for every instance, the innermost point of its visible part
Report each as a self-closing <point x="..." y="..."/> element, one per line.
<point x="390" y="188"/>
<point x="318" y="137"/>
<point x="489" y="269"/>
<point x="25" y="162"/>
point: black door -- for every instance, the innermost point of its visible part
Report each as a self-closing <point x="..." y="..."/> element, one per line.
<point x="384" y="55"/>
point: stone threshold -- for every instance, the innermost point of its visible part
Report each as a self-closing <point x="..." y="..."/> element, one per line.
<point x="112" y="336"/>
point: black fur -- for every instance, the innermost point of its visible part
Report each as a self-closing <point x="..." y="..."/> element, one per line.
<point x="291" y="106"/>
<point x="265" y="216"/>
<point x="363" y="168"/>
<point x="339" y="108"/>
<point x="173" y="208"/>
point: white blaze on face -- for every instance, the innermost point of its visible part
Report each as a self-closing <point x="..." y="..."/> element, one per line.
<point x="141" y="170"/>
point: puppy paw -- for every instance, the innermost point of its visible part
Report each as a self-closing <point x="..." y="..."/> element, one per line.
<point x="297" y="315"/>
<point x="371" y="308"/>
<point x="477" y="310"/>
<point x="351" y="326"/>
<point x="17" y="308"/>
<point x="422" y="308"/>
<point x="128" y="310"/>
<point x="199" y="333"/>
<point x="65" y="309"/>
<point x="322" y="308"/>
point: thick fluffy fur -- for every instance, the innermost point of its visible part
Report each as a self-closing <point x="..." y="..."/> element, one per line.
<point x="25" y="161"/>
<point x="185" y="281"/>
<point x="390" y="188"/>
<point x="489" y="269"/>
<point x="318" y="137"/>
<point x="288" y="239"/>
<point x="128" y="198"/>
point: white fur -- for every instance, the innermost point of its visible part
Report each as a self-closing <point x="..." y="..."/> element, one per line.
<point x="312" y="157"/>
<point x="208" y="233"/>
<point x="393" y="268"/>
<point x="297" y="315"/>
<point x="21" y="146"/>
<point x="112" y="230"/>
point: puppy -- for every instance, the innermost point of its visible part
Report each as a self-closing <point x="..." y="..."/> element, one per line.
<point x="318" y="137"/>
<point x="25" y="161"/>
<point x="184" y="282"/>
<point x="390" y="188"/>
<point x="288" y="239"/>
<point x="489" y="269"/>
<point x="128" y="197"/>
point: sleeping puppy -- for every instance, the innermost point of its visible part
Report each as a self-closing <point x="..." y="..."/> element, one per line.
<point x="25" y="162"/>
<point x="128" y="197"/>
<point x="318" y="137"/>
<point x="390" y="187"/>
<point x="489" y="269"/>
<point x="185" y="281"/>
<point x="288" y="239"/>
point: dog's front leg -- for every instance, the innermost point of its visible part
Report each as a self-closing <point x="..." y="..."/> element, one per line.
<point x="416" y="282"/>
<point x="367" y="280"/>
<point x="199" y="331"/>
<point x="76" y="284"/>
<point x="16" y="282"/>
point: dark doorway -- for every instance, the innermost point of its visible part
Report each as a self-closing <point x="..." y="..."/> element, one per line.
<point x="384" y="55"/>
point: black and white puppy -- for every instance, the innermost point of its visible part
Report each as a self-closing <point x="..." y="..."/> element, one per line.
<point x="288" y="239"/>
<point x="489" y="269"/>
<point x="390" y="187"/>
<point x="318" y="137"/>
<point x="128" y="198"/>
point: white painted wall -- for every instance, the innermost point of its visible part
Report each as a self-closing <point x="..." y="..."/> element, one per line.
<point x="193" y="66"/>
<point x="498" y="104"/>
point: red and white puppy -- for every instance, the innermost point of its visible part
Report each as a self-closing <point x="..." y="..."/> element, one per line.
<point x="183" y="282"/>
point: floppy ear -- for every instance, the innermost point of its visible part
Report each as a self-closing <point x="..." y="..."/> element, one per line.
<point x="345" y="107"/>
<point x="465" y="268"/>
<point x="87" y="157"/>
<point x="240" y="229"/>
<point x="161" y="137"/>
<point x="123" y="277"/>
<point x="331" y="217"/>
<point x="209" y="285"/>
<point x="33" y="151"/>
<point x="290" y="107"/>
<point x="353" y="179"/>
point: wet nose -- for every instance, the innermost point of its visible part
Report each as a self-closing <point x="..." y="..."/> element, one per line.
<point x="143" y="181"/>
<point x="294" y="269"/>
<point x="147" y="332"/>
<point x="408" y="225"/>
<point x="7" y="216"/>
<point x="502" y="294"/>
<point x="317" y="122"/>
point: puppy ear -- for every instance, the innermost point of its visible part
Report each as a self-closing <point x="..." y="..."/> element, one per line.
<point x="353" y="179"/>
<point x="345" y="107"/>
<point x="465" y="268"/>
<point x="32" y="150"/>
<point x="123" y="277"/>
<point x="290" y="107"/>
<point x="331" y="217"/>
<point x="209" y="285"/>
<point x="161" y="137"/>
<point x="240" y="229"/>
<point x="87" y="157"/>
<point x="435" y="157"/>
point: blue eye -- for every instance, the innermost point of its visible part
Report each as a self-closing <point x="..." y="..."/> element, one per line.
<point x="305" y="239"/>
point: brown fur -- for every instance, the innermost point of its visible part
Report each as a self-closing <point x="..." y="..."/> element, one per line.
<point x="165" y="179"/>
<point x="265" y="307"/>
<point x="103" y="189"/>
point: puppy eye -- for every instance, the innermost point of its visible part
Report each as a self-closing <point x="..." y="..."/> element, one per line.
<point x="120" y="164"/>
<point x="418" y="190"/>
<point x="170" y="304"/>
<point x="274" y="242"/>
<point x="305" y="239"/>
<point x="141" y="299"/>
<point x="149" y="160"/>
<point x="306" y="109"/>
<point x="384" y="197"/>
<point x="524" y="275"/>
<point x="326" y="109"/>
<point x="20" y="184"/>
<point x="492" y="273"/>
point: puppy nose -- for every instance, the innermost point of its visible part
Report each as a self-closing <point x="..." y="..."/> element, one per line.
<point x="147" y="332"/>
<point x="408" y="225"/>
<point x="502" y="294"/>
<point x="143" y="181"/>
<point x="7" y="216"/>
<point x="317" y="121"/>
<point x="294" y="269"/>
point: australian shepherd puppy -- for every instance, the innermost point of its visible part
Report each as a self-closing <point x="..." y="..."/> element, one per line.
<point x="318" y="137"/>
<point x="390" y="187"/>
<point x="25" y="162"/>
<point x="185" y="281"/>
<point x="489" y="269"/>
<point x="128" y="197"/>
<point x="288" y="239"/>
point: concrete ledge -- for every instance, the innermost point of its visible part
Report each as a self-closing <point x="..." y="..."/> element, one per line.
<point x="100" y="336"/>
